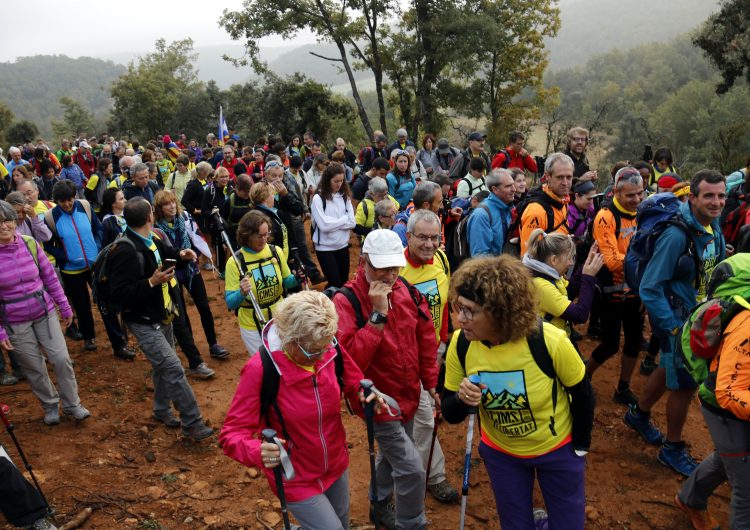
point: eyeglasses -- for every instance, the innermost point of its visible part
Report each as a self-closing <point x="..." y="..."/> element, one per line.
<point x="424" y="238"/>
<point x="465" y="312"/>
<point x="579" y="139"/>
<point x="311" y="354"/>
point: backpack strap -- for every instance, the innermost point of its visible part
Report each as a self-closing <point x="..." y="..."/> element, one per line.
<point x="416" y="296"/>
<point x="33" y="247"/>
<point x="269" y="389"/>
<point x="365" y="209"/>
<point x="86" y="207"/>
<point x="462" y="348"/>
<point x="443" y="261"/>
<point x="543" y="360"/>
<point x="356" y="305"/>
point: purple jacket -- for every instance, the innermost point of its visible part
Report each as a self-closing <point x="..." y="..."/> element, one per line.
<point x="19" y="278"/>
<point x="579" y="221"/>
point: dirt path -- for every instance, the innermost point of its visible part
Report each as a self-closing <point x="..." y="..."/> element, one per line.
<point x="136" y="473"/>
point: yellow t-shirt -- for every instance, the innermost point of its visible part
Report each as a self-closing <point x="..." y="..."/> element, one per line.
<point x="517" y="404"/>
<point x="368" y="220"/>
<point x="267" y="285"/>
<point x="40" y="208"/>
<point x="3" y="171"/>
<point x="553" y="301"/>
<point x="432" y="280"/>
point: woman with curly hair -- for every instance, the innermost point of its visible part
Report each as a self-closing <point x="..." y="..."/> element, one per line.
<point x="528" y="369"/>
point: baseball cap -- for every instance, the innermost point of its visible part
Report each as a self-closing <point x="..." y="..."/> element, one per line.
<point x="384" y="249"/>
<point x="84" y="145"/>
<point x="475" y="136"/>
<point x="443" y="146"/>
<point x="667" y="180"/>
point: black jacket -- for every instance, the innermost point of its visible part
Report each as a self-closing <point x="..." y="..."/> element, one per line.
<point x="143" y="304"/>
<point x="193" y="197"/>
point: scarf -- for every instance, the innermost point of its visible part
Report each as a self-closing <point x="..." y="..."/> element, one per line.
<point x="539" y="266"/>
<point x="178" y="235"/>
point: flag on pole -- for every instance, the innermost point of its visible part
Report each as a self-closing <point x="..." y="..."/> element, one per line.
<point x="223" y="129"/>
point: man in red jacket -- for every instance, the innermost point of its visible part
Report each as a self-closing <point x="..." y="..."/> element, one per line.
<point x="391" y="338"/>
<point x="515" y="155"/>
<point x="85" y="159"/>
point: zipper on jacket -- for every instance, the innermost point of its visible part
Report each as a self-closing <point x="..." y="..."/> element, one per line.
<point x="320" y="422"/>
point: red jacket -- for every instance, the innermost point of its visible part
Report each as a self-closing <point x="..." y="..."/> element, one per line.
<point x="86" y="162"/>
<point x="398" y="357"/>
<point x="311" y="407"/>
<point x="516" y="160"/>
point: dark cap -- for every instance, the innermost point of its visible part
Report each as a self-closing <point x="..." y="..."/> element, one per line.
<point x="476" y="136"/>
<point x="444" y="146"/>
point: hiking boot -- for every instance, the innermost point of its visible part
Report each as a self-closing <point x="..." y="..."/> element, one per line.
<point x="625" y="397"/>
<point x="42" y="524"/>
<point x="648" y="365"/>
<point x="125" y="353"/>
<point x="167" y="418"/>
<point x="79" y="412"/>
<point x="218" y="352"/>
<point x="594" y="332"/>
<point x="89" y="345"/>
<point x="202" y="371"/>
<point x="199" y="431"/>
<point x="443" y="492"/>
<point x="700" y="519"/>
<point x="73" y="332"/>
<point x="676" y="456"/>
<point x="8" y="379"/>
<point x="386" y="513"/>
<point x="51" y="416"/>
<point x="643" y="426"/>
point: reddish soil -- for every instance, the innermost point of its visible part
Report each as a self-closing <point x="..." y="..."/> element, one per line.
<point x="136" y="473"/>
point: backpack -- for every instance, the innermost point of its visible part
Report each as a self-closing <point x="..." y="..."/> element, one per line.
<point x="454" y="187"/>
<point x="100" y="275"/>
<point x="33" y="247"/>
<point x="232" y="207"/>
<point x="728" y="294"/>
<point x="535" y="196"/>
<point x="539" y="352"/>
<point x="655" y="214"/>
<point x="459" y="249"/>
<point x="49" y="219"/>
<point x="733" y="217"/>
<point x="243" y="270"/>
<point x="506" y="154"/>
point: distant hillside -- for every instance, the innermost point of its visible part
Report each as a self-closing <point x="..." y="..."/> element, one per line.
<point x="593" y="27"/>
<point x="32" y="86"/>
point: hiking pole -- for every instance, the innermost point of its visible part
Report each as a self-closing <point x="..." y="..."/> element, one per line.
<point x="269" y="435"/>
<point x="474" y="378"/>
<point x="367" y="385"/>
<point x="436" y="419"/>
<point x="225" y="238"/>
<point x="295" y="256"/>
<point x="4" y="410"/>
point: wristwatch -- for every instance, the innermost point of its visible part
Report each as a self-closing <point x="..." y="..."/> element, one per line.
<point x="376" y="317"/>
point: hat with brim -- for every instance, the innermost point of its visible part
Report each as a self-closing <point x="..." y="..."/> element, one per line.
<point x="384" y="249"/>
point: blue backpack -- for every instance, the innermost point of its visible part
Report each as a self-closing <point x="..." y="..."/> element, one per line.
<point x="655" y="214"/>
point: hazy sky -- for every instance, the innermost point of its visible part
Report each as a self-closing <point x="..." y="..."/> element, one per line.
<point x="76" y="27"/>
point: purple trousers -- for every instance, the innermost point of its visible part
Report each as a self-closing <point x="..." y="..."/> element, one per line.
<point x="561" y="479"/>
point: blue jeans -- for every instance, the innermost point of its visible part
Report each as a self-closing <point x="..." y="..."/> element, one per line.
<point x="561" y="479"/>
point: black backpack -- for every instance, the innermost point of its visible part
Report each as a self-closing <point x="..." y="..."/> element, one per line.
<point x="537" y="196"/>
<point x="458" y="249"/>
<point x="506" y="162"/>
<point x="539" y="352"/>
<point x="100" y="275"/>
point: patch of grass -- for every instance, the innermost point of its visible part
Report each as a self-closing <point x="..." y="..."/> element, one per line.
<point x="169" y="478"/>
<point x="150" y="524"/>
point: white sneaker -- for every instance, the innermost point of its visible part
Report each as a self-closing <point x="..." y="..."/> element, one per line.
<point x="79" y="412"/>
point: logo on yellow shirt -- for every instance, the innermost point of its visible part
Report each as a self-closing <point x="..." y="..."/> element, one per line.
<point x="507" y="404"/>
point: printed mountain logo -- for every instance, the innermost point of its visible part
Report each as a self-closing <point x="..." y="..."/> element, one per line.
<point x="506" y="403"/>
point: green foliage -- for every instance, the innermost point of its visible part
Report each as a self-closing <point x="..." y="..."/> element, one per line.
<point x="658" y="95"/>
<point x="161" y="93"/>
<point x="725" y="39"/>
<point x="21" y="132"/>
<point x="76" y="119"/>
<point x="6" y="119"/>
<point x="32" y="86"/>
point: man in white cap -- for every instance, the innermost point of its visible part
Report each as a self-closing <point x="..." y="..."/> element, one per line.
<point x="386" y="326"/>
<point x="85" y="159"/>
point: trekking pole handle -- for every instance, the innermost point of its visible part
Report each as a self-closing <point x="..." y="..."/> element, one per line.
<point x="476" y="380"/>
<point x="253" y="301"/>
<point x="5" y="409"/>
<point x="367" y="389"/>
<point x="286" y="467"/>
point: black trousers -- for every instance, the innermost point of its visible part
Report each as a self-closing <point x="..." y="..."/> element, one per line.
<point x="335" y="265"/>
<point x="76" y="288"/>
<point x="197" y="290"/>
<point x="298" y="227"/>
<point x="218" y="245"/>
<point x="183" y="333"/>
<point x="619" y="314"/>
<point x="20" y="502"/>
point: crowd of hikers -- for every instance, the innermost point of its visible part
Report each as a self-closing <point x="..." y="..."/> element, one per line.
<point x="472" y="271"/>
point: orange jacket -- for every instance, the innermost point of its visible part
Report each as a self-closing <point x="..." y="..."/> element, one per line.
<point x="614" y="245"/>
<point x="733" y="375"/>
<point x="535" y="216"/>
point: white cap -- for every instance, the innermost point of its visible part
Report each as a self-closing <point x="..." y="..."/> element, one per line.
<point x="84" y="145"/>
<point x="384" y="249"/>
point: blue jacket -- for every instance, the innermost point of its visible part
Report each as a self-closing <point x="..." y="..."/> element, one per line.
<point x="486" y="239"/>
<point x="402" y="219"/>
<point x="405" y="189"/>
<point x="77" y="240"/>
<point x="668" y="286"/>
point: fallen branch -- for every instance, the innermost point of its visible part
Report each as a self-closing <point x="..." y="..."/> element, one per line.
<point x="78" y="520"/>
<point x="262" y="522"/>
<point x="662" y="503"/>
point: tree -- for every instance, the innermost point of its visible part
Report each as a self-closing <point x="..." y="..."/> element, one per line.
<point x="21" y="132"/>
<point x="160" y="94"/>
<point x="725" y="39"/>
<point x="330" y="20"/>
<point x="6" y="118"/>
<point x="76" y="119"/>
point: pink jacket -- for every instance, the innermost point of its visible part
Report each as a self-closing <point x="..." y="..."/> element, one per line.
<point x="311" y="408"/>
<point x="398" y="357"/>
<point x="19" y="278"/>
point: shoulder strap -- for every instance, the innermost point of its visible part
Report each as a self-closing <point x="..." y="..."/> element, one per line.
<point x="269" y="389"/>
<point x="618" y="218"/>
<point x="50" y="220"/>
<point x="86" y="207"/>
<point x="365" y="210"/>
<point x="462" y="348"/>
<point x="543" y="360"/>
<point x="443" y="261"/>
<point x="416" y="296"/>
<point x="356" y="306"/>
<point x="471" y="188"/>
<point x="33" y="247"/>
<point x="174" y="175"/>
